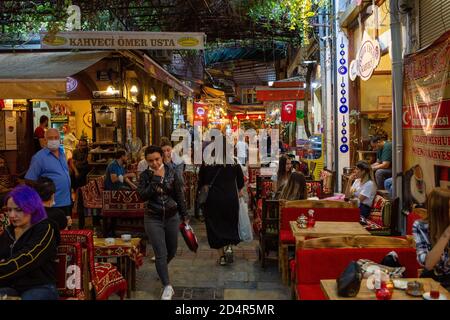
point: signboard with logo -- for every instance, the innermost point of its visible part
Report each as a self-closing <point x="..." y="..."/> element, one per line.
<point x="426" y="122"/>
<point x="288" y="111"/>
<point x="123" y="40"/>
<point x="200" y="113"/>
<point x="367" y="59"/>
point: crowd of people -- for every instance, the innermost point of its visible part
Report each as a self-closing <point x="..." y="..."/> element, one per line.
<point x="39" y="210"/>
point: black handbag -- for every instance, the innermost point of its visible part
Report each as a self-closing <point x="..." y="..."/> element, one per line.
<point x="204" y="191"/>
<point x="349" y="282"/>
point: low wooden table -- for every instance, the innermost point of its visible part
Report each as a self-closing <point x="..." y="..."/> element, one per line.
<point x="329" y="288"/>
<point x="126" y="254"/>
<point x="327" y="229"/>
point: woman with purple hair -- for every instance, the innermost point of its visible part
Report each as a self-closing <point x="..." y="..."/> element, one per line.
<point x="28" y="248"/>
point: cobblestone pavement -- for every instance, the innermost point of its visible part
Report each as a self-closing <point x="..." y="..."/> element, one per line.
<point x="198" y="276"/>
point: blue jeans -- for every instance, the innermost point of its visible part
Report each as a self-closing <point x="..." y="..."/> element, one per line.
<point x="388" y="186"/>
<point x="43" y="292"/>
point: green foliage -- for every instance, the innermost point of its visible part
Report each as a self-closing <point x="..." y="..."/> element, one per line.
<point x="287" y="14"/>
<point x="34" y="18"/>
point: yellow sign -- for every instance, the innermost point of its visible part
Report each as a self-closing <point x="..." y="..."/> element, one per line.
<point x="52" y="40"/>
<point x="188" y="42"/>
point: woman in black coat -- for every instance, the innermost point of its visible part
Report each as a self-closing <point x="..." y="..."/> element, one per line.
<point x="221" y="210"/>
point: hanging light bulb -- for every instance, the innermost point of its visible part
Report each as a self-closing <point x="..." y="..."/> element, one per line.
<point x="259" y="117"/>
<point x="166" y="102"/>
<point x="110" y="90"/>
<point x="153" y="98"/>
<point x="247" y="117"/>
<point x="134" y="90"/>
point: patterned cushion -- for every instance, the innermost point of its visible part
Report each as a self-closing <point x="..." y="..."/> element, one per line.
<point x="314" y="189"/>
<point x="100" y="181"/>
<point x="105" y="277"/>
<point x="379" y="210"/>
<point x="109" y="281"/>
<point x="69" y="255"/>
<point x="122" y="204"/>
<point x="91" y="196"/>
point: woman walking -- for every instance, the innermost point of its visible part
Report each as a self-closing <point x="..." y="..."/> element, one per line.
<point x="221" y="209"/>
<point x="161" y="187"/>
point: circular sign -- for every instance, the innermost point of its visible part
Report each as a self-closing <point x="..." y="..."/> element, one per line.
<point x="200" y="111"/>
<point x="368" y="58"/>
<point x="71" y="84"/>
<point x="353" y="70"/>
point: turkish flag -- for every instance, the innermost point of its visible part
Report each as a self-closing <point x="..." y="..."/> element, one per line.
<point x="288" y="111"/>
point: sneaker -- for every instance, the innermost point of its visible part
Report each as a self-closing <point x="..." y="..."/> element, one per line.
<point x="167" y="293"/>
<point x="229" y="254"/>
<point x="222" y="261"/>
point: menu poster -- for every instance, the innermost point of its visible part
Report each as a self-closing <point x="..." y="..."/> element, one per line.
<point x="2" y="131"/>
<point x="10" y="130"/>
<point x="426" y="125"/>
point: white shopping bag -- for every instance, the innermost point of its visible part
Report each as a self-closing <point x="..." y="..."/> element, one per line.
<point x="245" y="228"/>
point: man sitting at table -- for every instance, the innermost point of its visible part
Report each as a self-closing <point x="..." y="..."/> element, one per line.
<point x="383" y="166"/>
<point x="116" y="176"/>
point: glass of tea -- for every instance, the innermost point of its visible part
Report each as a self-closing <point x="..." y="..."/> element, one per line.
<point x="434" y="290"/>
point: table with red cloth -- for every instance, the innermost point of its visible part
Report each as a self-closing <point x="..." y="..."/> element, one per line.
<point x="128" y="257"/>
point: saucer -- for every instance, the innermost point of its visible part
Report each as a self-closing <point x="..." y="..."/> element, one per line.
<point x="400" y="284"/>
<point x="426" y="296"/>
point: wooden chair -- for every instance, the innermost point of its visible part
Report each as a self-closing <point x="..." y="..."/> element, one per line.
<point x="269" y="234"/>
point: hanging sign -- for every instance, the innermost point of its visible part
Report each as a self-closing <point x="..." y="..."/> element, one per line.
<point x="288" y="111"/>
<point x="367" y="59"/>
<point x="123" y="40"/>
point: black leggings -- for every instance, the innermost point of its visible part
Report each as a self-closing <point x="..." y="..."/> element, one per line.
<point x="364" y="210"/>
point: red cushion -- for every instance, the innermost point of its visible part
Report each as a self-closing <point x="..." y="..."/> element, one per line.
<point x="69" y="255"/>
<point x="328" y="263"/>
<point x="109" y="281"/>
<point x="412" y="217"/>
<point x="287" y="237"/>
<point x="310" y="292"/>
<point x="376" y="213"/>
<point x="320" y="214"/>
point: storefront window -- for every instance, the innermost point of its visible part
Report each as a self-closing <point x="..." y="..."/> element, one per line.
<point x="177" y="115"/>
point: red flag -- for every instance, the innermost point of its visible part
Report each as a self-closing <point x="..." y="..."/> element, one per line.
<point x="288" y="111"/>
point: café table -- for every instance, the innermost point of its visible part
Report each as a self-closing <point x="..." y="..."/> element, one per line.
<point x="126" y="255"/>
<point x="329" y="288"/>
<point x="327" y="229"/>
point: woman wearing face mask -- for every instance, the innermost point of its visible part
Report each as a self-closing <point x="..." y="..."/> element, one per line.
<point x="28" y="248"/>
<point x="161" y="187"/>
<point x="46" y="190"/>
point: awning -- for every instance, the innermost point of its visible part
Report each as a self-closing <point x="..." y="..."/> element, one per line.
<point x="42" y="75"/>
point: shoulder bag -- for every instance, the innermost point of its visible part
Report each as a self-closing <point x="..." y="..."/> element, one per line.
<point x="204" y="191"/>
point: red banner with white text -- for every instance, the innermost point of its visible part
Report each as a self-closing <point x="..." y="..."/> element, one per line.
<point x="426" y="126"/>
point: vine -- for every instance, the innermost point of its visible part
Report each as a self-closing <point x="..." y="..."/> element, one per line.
<point x="290" y="14"/>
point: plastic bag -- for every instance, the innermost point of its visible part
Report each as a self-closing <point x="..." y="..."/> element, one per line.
<point x="245" y="228"/>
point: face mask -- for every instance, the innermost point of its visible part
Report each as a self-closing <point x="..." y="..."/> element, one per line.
<point x="53" y="144"/>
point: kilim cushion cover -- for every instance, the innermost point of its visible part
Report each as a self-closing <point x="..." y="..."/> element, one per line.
<point x="69" y="254"/>
<point x="91" y="196"/>
<point x="376" y="214"/>
<point x="105" y="277"/>
<point x="122" y="204"/>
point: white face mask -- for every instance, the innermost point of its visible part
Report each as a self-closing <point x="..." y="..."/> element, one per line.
<point x="53" y="144"/>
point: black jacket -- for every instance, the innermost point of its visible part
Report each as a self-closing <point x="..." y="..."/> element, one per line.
<point x="164" y="196"/>
<point x="31" y="260"/>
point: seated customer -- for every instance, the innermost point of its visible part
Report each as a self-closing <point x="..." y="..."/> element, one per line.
<point x="46" y="189"/>
<point x="283" y="173"/>
<point x="383" y="166"/>
<point x="295" y="188"/>
<point x="116" y="176"/>
<point x="28" y="248"/>
<point x="432" y="236"/>
<point x="361" y="188"/>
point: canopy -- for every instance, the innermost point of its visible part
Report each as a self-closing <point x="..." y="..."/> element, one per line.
<point x="42" y="75"/>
